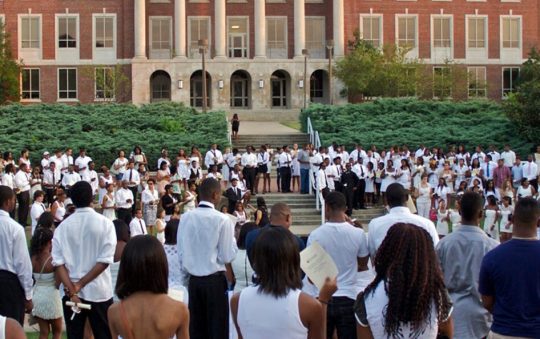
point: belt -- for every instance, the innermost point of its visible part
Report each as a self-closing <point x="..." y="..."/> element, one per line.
<point x="216" y="274"/>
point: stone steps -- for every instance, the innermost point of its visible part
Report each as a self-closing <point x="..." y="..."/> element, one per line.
<point x="276" y="140"/>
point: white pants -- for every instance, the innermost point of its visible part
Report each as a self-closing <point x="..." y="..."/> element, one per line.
<point x="423" y="208"/>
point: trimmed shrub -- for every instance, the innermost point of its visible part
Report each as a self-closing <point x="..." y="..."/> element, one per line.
<point x="105" y="129"/>
<point x="389" y="122"/>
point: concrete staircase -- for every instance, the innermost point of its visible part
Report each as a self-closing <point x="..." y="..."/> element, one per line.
<point x="274" y="140"/>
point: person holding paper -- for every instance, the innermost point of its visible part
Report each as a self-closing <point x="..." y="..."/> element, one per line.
<point x="276" y="307"/>
<point x="347" y="245"/>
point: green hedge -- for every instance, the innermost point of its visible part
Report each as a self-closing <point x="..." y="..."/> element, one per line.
<point x="388" y="122"/>
<point x="104" y="129"/>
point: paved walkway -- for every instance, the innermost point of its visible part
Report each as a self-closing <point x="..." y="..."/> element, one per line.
<point x="265" y="128"/>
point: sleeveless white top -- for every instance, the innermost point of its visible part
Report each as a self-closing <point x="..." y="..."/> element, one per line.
<point x="2" y="327"/>
<point x="262" y="316"/>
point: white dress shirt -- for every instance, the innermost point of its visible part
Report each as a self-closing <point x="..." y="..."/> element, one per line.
<point x="345" y="244"/>
<point x="22" y="181"/>
<point x="378" y="227"/>
<point x="495" y="156"/>
<point x="355" y="154"/>
<point x="137" y="227"/>
<point x="148" y="196"/>
<point x="509" y="158"/>
<point x="480" y="156"/>
<point x="132" y="176"/>
<point x="330" y="173"/>
<point x="530" y="170"/>
<point x="82" y="164"/>
<point x="322" y="180"/>
<point x="122" y="196"/>
<point x="249" y="160"/>
<point x="360" y="171"/>
<point x="50" y="178"/>
<point x="210" y="155"/>
<point x="83" y="240"/>
<point x="91" y="177"/>
<point x="492" y="165"/>
<point x="70" y="179"/>
<point x="45" y="163"/>
<point x="285" y="160"/>
<point x="14" y="256"/>
<point x="58" y="168"/>
<point x="206" y="242"/>
<point x="66" y="161"/>
<point x="8" y="180"/>
<point x="35" y="212"/>
<point x="263" y="158"/>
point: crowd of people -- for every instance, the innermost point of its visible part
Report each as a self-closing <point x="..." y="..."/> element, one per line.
<point x="167" y="249"/>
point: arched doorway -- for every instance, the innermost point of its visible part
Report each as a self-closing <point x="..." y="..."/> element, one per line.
<point x="240" y="89"/>
<point x="280" y="83"/>
<point x="160" y="86"/>
<point x="319" y="87"/>
<point x="196" y="89"/>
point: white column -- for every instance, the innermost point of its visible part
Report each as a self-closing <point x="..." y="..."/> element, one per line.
<point x="339" y="28"/>
<point x="299" y="27"/>
<point x="140" y="29"/>
<point x="260" y="29"/>
<point x="220" y="29"/>
<point x="180" y="28"/>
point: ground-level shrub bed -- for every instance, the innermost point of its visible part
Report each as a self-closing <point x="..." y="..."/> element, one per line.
<point x="388" y="122"/>
<point x="105" y="129"/>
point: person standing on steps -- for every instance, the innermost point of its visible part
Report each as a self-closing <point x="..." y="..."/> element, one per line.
<point x="249" y="164"/>
<point x="235" y="126"/>
<point x="305" y="165"/>
<point x="285" y="161"/>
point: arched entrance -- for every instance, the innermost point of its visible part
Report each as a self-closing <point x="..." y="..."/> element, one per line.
<point x="196" y="89"/>
<point x="319" y="87"/>
<point x="280" y="83"/>
<point x="160" y="86"/>
<point x="240" y="89"/>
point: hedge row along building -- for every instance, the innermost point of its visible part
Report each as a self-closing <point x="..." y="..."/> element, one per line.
<point x="256" y="51"/>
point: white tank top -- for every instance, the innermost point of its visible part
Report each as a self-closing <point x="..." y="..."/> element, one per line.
<point x="262" y="316"/>
<point x="2" y="327"/>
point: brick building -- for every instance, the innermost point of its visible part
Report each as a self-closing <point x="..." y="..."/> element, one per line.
<point x="255" y="48"/>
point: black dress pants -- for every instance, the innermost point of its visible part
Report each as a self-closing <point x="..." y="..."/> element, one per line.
<point x="12" y="296"/>
<point x="208" y="307"/>
<point x="249" y="174"/>
<point x="97" y="317"/>
<point x="134" y="190"/>
<point x="285" y="179"/>
<point x="23" y="198"/>
<point x="125" y="215"/>
<point x="360" y="194"/>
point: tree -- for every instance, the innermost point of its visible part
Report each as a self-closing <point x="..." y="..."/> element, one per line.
<point x="110" y="81"/>
<point x="523" y="106"/>
<point x="9" y="70"/>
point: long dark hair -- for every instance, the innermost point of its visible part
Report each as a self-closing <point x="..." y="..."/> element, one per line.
<point x="42" y="236"/>
<point x="408" y="266"/>
<point x="276" y="259"/>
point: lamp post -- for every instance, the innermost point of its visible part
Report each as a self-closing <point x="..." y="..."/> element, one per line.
<point x="330" y="47"/>
<point x="305" y="53"/>
<point x="203" y="44"/>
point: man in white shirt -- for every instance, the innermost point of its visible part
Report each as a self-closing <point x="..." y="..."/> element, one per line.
<point x="508" y="156"/>
<point x="131" y="175"/>
<point x="396" y="197"/>
<point x="22" y="187"/>
<point x="530" y="171"/>
<point x="488" y="167"/>
<point x="137" y="226"/>
<point x="358" y="152"/>
<point x="57" y="159"/>
<point x="420" y="152"/>
<point x="15" y="266"/>
<point x="334" y="172"/>
<point x="164" y="158"/>
<point x="322" y="179"/>
<point x="70" y="178"/>
<point x="249" y="164"/>
<point x="91" y="177"/>
<point x="124" y="202"/>
<point x="51" y="180"/>
<point x="478" y="154"/>
<point x="83" y="248"/>
<point x="45" y="161"/>
<point x="67" y="159"/>
<point x="214" y="157"/>
<point x="206" y="246"/>
<point x="348" y="248"/>
<point x="81" y="163"/>
<point x="495" y="156"/>
<point x="361" y="172"/>
<point x="38" y="207"/>
<point x="285" y="169"/>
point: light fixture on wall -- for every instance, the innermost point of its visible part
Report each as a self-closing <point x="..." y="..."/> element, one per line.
<point x="261" y="83"/>
<point x="220" y="84"/>
<point x="300" y="83"/>
<point x="180" y="84"/>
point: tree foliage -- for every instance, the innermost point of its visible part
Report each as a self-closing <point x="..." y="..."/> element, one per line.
<point x="111" y="81"/>
<point x="9" y="70"/>
<point x="523" y="106"/>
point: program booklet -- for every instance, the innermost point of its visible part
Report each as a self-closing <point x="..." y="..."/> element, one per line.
<point x="317" y="264"/>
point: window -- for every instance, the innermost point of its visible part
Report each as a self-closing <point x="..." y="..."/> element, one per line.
<point x="442" y="82"/>
<point x="30" y="32"/>
<point x="238" y="37"/>
<point x="442" y="32"/>
<point x="477" y="32"/>
<point x="67" y="32"/>
<point x="30" y="84"/>
<point x="511" y="31"/>
<point x="510" y="76"/>
<point x="199" y="28"/>
<point x="276" y="37"/>
<point x="407" y="31"/>
<point x="371" y="30"/>
<point x="316" y="37"/>
<point x="104" y="31"/>
<point x="67" y="83"/>
<point x="477" y="82"/>
<point x="105" y="84"/>
<point x="160" y="37"/>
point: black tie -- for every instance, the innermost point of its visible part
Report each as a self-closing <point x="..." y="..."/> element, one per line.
<point x="142" y="228"/>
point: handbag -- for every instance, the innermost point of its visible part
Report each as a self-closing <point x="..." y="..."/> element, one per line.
<point x="433" y="214"/>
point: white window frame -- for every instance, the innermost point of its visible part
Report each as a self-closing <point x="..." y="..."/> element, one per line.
<point x="322" y="49"/>
<point x="160" y="1"/>
<point x="30" y="53"/>
<point x="414" y="50"/>
<point x="509" y="90"/>
<point x="3" y="18"/>
<point x="520" y="32"/>
<point x="160" y="53"/>
<point x="467" y="28"/>
<point x="442" y="16"/>
<point x="39" y="85"/>
<point x="96" y="98"/>
<point x="441" y="54"/>
<point x="196" y="54"/>
<point x="68" y="90"/>
<point x="450" y="73"/>
<point x="67" y="53"/>
<point x="477" y="90"/>
<point x="247" y="44"/>
<point x="286" y="36"/>
<point x="381" y="25"/>
<point x="104" y="54"/>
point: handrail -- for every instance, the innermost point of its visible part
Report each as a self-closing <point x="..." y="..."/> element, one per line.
<point x="229" y="130"/>
<point x="316" y="141"/>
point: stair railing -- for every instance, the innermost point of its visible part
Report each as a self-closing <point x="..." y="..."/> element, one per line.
<point x="229" y="130"/>
<point x="316" y="141"/>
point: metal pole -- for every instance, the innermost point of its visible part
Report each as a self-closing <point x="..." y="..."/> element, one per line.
<point x="330" y="77"/>
<point x="305" y="53"/>
<point x="202" y="49"/>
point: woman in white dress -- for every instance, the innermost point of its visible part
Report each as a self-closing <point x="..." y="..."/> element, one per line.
<point x="491" y="213"/>
<point x="178" y="278"/>
<point x="423" y="197"/>
<point x="160" y="226"/>
<point x="442" y="219"/>
<point x="505" y="223"/>
<point x="182" y="167"/>
<point x="139" y="157"/>
<point x="241" y="266"/>
<point x="119" y="165"/>
<point x="418" y="170"/>
<point x="295" y="167"/>
<point x="108" y="203"/>
<point x="433" y="174"/>
<point x="46" y="296"/>
<point x="225" y="168"/>
<point x="25" y="158"/>
<point x="370" y="184"/>
<point x="525" y="189"/>
<point x="441" y="192"/>
<point x="240" y="213"/>
<point x="190" y="197"/>
<point x="36" y="181"/>
<point x="449" y="175"/>
<point x="404" y="175"/>
<point x="105" y="179"/>
<point x="58" y="209"/>
<point x="150" y="202"/>
<point x="388" y="177"/>
<point x="461" y="173"/>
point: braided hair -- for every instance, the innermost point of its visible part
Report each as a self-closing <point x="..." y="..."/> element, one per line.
<point x="408" y="266"/>
<point x="41" y="238"/>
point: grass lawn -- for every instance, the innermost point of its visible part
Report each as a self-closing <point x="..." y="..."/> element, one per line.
<point x="292" y="124"/>
<point x="35" y="335"/>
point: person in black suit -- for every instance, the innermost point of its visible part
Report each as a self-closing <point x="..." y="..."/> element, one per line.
<point x="349" y="182"/>
<point x="234" y="194"/>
